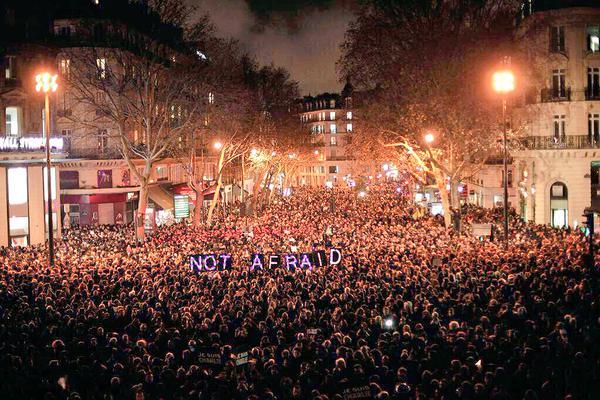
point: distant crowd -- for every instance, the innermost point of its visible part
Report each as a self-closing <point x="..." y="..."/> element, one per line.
<point x="414" y="311"/>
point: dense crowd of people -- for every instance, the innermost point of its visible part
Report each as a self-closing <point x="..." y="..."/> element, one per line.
<point x="414" y="311"/>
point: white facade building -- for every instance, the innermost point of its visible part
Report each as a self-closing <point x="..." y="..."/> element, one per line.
<point x="557" y="169"/>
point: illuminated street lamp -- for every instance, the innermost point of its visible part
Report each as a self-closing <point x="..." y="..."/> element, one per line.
<point x="218" y="145"/>
<point x="46" y="83"/>
<point x="253" y="153"/>
<point x="503" y="82"/>
<point x="429" y="138"/>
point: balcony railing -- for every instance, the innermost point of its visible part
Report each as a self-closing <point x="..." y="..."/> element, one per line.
<point x="572" y="142"/>
<point x="556" y="94"/>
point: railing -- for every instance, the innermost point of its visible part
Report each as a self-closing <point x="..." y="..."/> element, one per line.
<point x="555" y="94"/>
<point x="95" y="153"/>
<point x="572" y="142"/>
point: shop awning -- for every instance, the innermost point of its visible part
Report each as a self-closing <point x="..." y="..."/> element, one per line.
<point x="161" y="196"/>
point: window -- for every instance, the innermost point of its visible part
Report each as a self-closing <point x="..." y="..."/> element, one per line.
<point x="102" y="140"/>
<point x="559" y="83"/>
<point x="331" y="103"/>
<point x="13" y="121"/>
<point x="593" y="83"/>
<point x="559" y="128"/>
<point x="10" y="67"/>
<point x="593" y="38"/>
<point x="211" y="98"/>
<point x="333" y="169"/>
<point x="101" y="66"/>
<point x="333" y="128"/>
<point x="64" y="31"/>
<point x="349" y="115"/>
<point x="557" y="39"/>
<point x="18" y="211"/>
<point x="333" y="141"/>
<point x="64" y="67"/>
<point x="594" y="128"/>
<point x="332" y="115"/>
<point x="348" y="128"/>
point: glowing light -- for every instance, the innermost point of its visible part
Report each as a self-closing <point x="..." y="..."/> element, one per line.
<point x="388" y="323"/>
<point x="460" y="189"/>
<point x="218" y="145"/>
<point x="292" y="155"/>
<point x="362" y="194"/>
<point x="398" y="190"/>
<point x="503" y="81"/>
<point x="273" y="153"/>
<point x="385" y="167"/>
<point x="45" y="82"/>
<point x="316" y="152"/>
<point x="429" y="138"/>
<point x="253" y="153"/>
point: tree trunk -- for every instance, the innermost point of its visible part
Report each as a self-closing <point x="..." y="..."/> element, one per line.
<point x="256" y="190"/>
<point x="441" y="184"/>
<point x="198" y="210"/>
<point x="455" y="196"/>
<point x="215" y="200"/>
<point x="141" y="211"/>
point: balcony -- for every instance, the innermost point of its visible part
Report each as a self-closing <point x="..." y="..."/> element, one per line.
<point x="64" y="113"/>
<point x="592" y="93"/>
<point x="555" y="94"/>
<point x="569" y="142"/>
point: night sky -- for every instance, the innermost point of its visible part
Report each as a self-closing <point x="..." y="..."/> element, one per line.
<point x="300" y="35"/>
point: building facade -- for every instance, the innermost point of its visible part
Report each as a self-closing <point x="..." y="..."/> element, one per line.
<point x="331" y="120"/>
<point x="556" y="167"/>
<point x="94" y="185"/>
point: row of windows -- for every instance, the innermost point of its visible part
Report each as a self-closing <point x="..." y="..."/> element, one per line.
<point x="560" y="88"/>
<point x="558" y="40"/>
<point x="322" y="116"/>
<point x="333" y="128"/>
<point x="559" y="127"/>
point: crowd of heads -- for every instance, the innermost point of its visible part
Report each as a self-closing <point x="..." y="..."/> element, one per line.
<point x="414" y="311"/>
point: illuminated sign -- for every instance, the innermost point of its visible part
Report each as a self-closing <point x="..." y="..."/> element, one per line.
<point x="182" y="206"/>
<point x="29" y="143"/>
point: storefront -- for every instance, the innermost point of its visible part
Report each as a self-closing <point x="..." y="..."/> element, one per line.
<point x="23" y="195"/>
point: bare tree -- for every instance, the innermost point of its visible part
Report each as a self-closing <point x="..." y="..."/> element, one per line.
<point x="143" y="92"/>
<point x="431" y="63"/>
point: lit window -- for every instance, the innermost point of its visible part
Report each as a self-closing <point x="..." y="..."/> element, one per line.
<point x="331" y="103"/>
<point x="101" y="66"/>
<point x="211" y="98"/>
<point x="332" y="115"/>
<point x="333" y="141"/>
<point x="593" y="36"/>
<point x="10" y="67"/>
<point x="349" y="115"/>
<point x="64" y="67"/>
<point x="333" y="128"/>
<point x="348" y="127"/>
<point x="559" y="128"/>
<point x="12" y="115"/>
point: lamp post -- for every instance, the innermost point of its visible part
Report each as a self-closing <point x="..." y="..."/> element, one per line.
<point x="504" y="83"/>
<point x="46" y="83"/>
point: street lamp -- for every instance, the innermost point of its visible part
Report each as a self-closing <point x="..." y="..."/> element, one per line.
<point x="218" y="145"/>
<point x="429" y="138"/>
<point x="503" y="82"/>
<point x="46" y="83"/>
